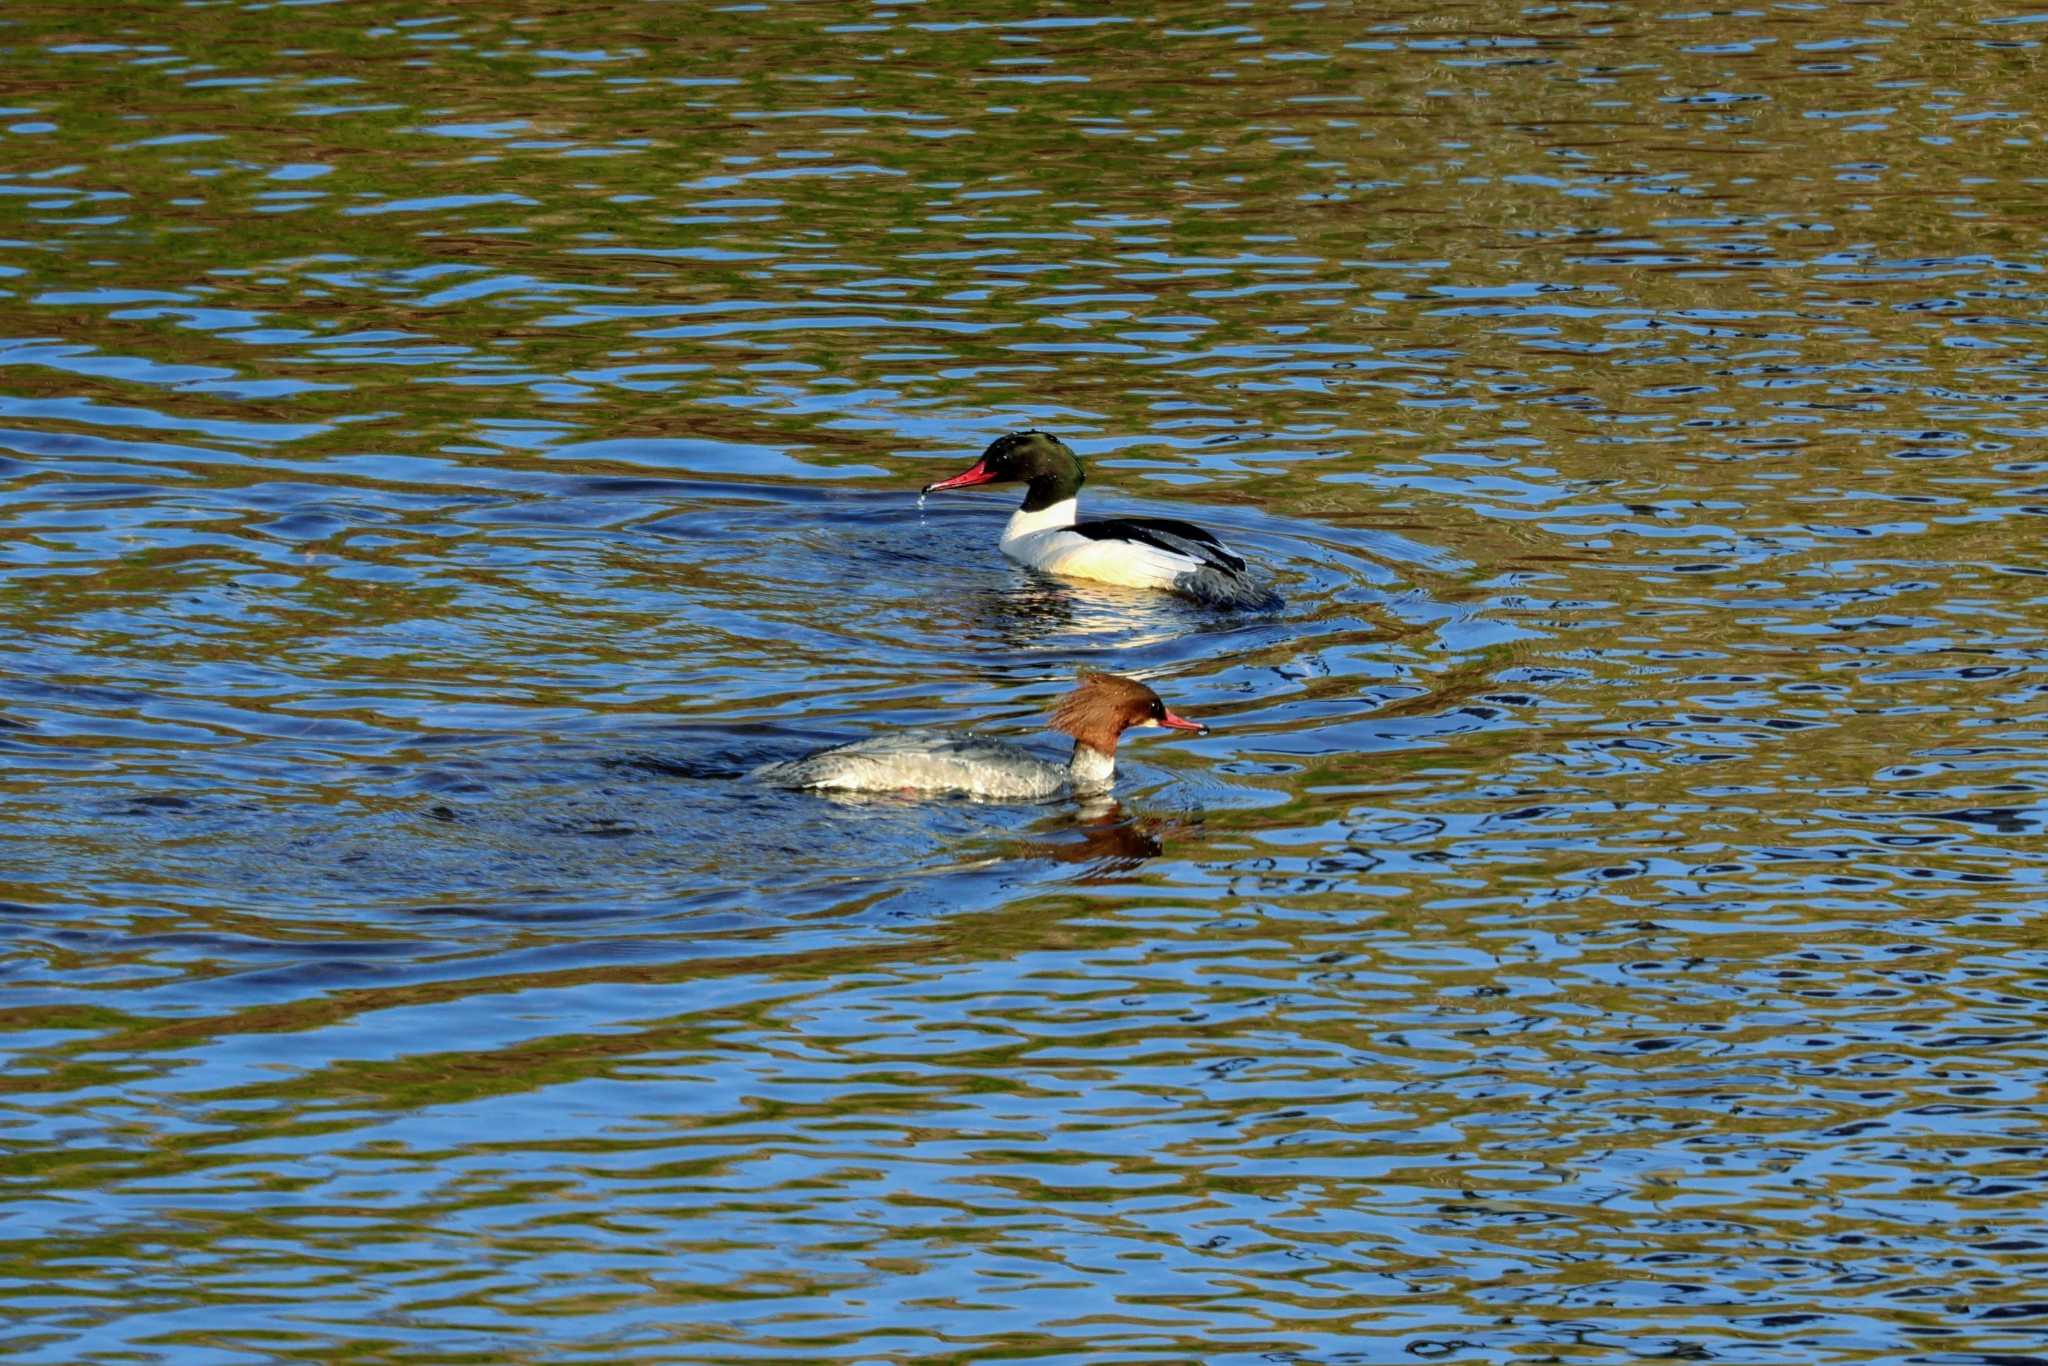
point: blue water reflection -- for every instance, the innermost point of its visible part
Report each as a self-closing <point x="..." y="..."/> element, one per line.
<point x="442" y="453"/>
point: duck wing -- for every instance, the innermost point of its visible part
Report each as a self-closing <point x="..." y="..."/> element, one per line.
<point x="1165" y="533"/>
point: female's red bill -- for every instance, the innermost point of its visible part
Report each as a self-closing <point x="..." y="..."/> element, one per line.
<point x="1172" y="722"/>
<point x="977" y="473"/>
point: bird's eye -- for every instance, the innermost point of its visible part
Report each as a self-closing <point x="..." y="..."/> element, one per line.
<point x="1158" y="711"/>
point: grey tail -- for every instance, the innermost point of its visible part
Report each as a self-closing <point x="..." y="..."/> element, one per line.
<point x="1233" y="592"/>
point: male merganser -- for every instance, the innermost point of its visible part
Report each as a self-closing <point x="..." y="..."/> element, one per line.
<point x="1095" y="714"/>
<point x="1142" y="552"/>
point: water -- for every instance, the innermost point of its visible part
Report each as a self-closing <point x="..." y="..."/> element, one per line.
<point x="443" y="449"/>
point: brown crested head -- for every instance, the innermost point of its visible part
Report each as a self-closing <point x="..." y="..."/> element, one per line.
<point x="1106" y="705"/>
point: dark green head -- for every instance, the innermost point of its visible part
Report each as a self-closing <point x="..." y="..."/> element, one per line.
<point x="1039" y="460"/>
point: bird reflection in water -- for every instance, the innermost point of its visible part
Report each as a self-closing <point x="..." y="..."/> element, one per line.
<point x="1105" y="837"/>
<point x="1037" y="608"/>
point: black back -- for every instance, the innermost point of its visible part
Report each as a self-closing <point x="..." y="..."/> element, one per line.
<point x="1164" y="533"/>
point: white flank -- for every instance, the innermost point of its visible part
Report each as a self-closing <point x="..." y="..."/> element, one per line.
<point x="1042" y="540"/>
<point x="924" y="761"/>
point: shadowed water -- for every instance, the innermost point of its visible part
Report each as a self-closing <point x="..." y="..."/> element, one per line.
<point x="442" y="451"/>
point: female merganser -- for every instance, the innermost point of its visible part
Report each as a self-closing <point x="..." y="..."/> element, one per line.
<point x="1095" y="714"/>
<point x="1142" y="552"/>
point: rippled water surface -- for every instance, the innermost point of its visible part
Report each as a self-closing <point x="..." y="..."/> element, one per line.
<point x="442" y="450"/>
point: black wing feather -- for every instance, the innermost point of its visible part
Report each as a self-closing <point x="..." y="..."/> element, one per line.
<point x="1164" y="533"/>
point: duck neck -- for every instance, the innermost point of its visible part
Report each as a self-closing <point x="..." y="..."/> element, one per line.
<point x="1091" y="770"/>
<point x="1026" y="520"/>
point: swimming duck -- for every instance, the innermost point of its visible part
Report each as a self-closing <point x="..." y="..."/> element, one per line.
<point x="1096" y="714"/>
<point x="1142" y="552"/>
